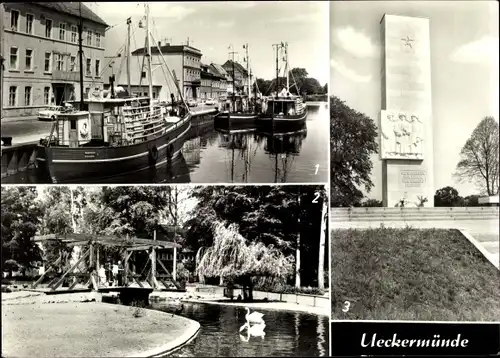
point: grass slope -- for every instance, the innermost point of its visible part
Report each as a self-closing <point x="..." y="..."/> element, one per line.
<point x="412" y="274"/>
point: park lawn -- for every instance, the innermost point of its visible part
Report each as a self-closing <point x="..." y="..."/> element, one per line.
<point x="88" y="330"/>
<point x="411" y="274"/>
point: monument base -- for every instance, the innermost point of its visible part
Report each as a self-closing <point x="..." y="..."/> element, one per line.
<point x="407" y="180"/>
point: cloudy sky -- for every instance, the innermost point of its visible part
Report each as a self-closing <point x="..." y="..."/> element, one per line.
<point x="213" y="26"/>
<point x="464" y="67"/>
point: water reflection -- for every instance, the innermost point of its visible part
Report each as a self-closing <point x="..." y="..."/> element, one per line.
<point x="286" y="333"/>
<point x="236" y="155"/>
<point x="243" y="154"/>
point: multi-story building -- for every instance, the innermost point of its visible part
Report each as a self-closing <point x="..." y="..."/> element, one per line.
<point x="224" y="78"/>
<point x="240" y="75"/>
<point x="40" y="51"/>
<point x="184" y="63"/>
<point x="206" y="82"/>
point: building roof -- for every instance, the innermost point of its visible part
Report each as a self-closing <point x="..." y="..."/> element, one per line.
<point x="72" y="8"/>
<point x="219" y="69"/>
<point x="168" y="49"/>
<point x="229" y="65"/>
<point x="216" y="73"/>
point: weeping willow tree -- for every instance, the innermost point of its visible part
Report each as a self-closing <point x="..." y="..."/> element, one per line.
<point x="235" y="260"/>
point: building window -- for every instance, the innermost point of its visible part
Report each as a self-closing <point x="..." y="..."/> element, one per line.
<point x="97" y="68"/>
<point x="74" y="33"/>
<point x="89" y="67"/>
<point x="72" y="63"/>
<point x="48" y="28"/>
<point x="27" y="96"/>
<point x="97" y="39"/>
<point x="62" y="32"/>
<point x="89" y="38"/>
<point x="46" y="95"/>
<point x="14" y="20"/>
<point x="29" y="59"/>
<point x="143" y="74"/>
<point x="48" y="62"/>
<point x="29" y="23"/>
<point x="154" y="95"/>
<point x="59" y="62"/>
<point x="12" y="96"/>
<point x="14" y="60"/>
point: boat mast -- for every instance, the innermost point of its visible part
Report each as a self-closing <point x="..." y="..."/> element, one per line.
<point x="129" y="88"/>
<point x="277" y="70"/>
<point x="2" y="58"/>
<point x="80" y="53"/>
<point x="234" y="88"/>
<point x="286" y="68"/>
<point x="150" y="72"/>
<point x="248" y="73"/>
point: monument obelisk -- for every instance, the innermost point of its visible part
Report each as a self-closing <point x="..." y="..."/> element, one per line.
<point x="406" y="146"/>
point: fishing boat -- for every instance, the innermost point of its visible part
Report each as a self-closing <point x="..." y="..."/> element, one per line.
<point x="240" y="110"/>
<point x="283" y="110"/>
<point x="111" y="133"/>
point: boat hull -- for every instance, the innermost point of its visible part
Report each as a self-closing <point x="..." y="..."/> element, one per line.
<point x="85" y="164"/>
<point x="235" y="120"/>
<point x="285" y="123"/>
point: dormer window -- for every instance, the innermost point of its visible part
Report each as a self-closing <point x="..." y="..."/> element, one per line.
<point x="14" y="20"/>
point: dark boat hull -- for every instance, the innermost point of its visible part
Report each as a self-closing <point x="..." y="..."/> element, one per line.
<point x="235" y="120"/>
<point x="281" y="124"/>
<point x="85" y="164"/>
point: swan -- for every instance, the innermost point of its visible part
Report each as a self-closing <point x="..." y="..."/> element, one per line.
<point x="256" y="330"/>
<point x="255" y="317"/>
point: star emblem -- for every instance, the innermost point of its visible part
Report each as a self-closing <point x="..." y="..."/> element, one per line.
<point x="407" y="41"/>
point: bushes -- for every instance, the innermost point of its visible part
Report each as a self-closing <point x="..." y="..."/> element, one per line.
<point x="284" y="288"/>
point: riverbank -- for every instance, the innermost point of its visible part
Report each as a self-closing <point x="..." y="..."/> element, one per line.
<point x="211" y="298"/>
<point x="59" y="326"/>
<point x="283" y="306"/>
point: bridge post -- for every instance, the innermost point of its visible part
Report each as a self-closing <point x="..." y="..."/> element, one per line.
<point x="153" y="263"/>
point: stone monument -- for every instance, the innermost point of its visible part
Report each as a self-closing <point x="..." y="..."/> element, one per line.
<point x="405" y="124"/>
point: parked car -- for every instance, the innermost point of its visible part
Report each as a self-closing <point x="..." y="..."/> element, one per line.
<point x="192" y="103"/>
<point x="210" y="102"/>
<point x="49" y="113"/>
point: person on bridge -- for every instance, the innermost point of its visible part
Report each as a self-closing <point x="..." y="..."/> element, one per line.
<point x="115" y="274"/>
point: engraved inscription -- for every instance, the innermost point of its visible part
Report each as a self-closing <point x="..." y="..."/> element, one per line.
<point x="413" y="178"/>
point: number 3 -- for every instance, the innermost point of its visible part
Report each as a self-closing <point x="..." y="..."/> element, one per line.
<point x="347" y="304"/>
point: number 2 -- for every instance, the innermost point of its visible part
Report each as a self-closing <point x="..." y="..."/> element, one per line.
<point x="316" y="197"/>
<point x="346" y="307"/>
<point x="317" y="168"/>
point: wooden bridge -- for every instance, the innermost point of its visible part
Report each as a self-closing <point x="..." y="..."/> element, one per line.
<point x="85" y="272"/>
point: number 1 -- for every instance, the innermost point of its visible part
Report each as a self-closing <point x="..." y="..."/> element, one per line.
<point x="317" y="168"/>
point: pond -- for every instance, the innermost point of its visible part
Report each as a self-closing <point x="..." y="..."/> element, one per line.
<point x="286" y="333"/>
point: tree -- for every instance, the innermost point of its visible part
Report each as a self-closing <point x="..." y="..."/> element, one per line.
<point x="479" y="158"/>
<point x="352" y="142"/>
<point x="265" y="214"/>
<point x="447" y="196"/>
<point x="237" y="260"/>
<point x="20" y="214"/>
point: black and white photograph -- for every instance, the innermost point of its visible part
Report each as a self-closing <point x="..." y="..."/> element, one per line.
<point x="164" y="92"/>
<point x="171" y="270"/>
<point x="414" y="161"/>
